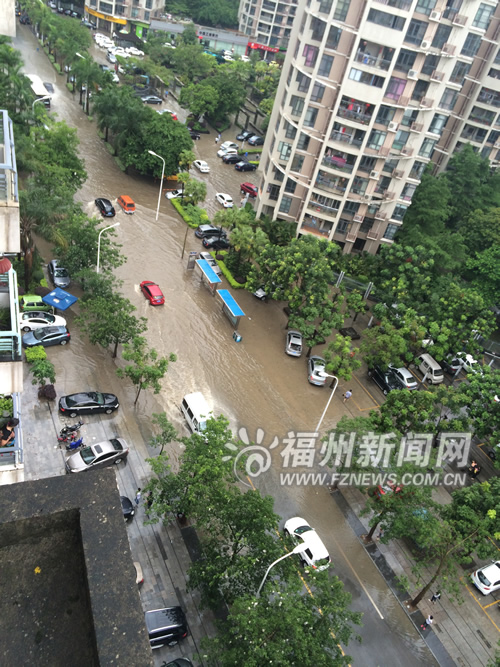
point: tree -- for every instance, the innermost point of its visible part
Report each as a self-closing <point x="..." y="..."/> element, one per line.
<point x="186" y="159"/>
<point x="189" y="35"/>
<point x="110" y="321"/>
<point x="146" y="369"/>
<point x="191" y="64"/>
<point x="88" y="75"/>
<point x="480" y="230"/>
<point x="200" y="98"/>
<point x="194" y="189"/>
<point x="480" y="394"/>
<point x="43" y="370"/>
<point x="167" y="431"/>
<point x="484" y="273"/>
<point x="386" y="344"/>
<point x="355" y="304"/>
<point x="341" y="358"/>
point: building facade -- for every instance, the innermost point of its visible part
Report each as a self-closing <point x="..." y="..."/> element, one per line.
<point x="124" y="15"/>
<point x="371" y="92"/>
<point x="267" y="22"/>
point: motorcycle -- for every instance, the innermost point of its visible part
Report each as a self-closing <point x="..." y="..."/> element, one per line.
<point x="74" y="444"/>
<point x="68" y="430"/>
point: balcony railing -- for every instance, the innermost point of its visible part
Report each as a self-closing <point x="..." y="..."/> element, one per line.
<point x="337" y="163"/>
<point x="314" y="227"/>
<point x="346" y="138"/>
<point x="329" y="186"/>
<point x="397" y="4"/>
<point x="363" y="118"/>
<point x="373" y="61"/>
<point x="8" y="168"/>
<point x="324" y="209"/>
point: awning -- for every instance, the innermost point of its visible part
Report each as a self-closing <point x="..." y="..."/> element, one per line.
<point x="230" y="303"/>
<point x="207" y="270"/>
<point x="60" y="299"/>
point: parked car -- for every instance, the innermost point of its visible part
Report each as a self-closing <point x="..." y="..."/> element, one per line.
<point x="168" y="111"/>
<point x="204" y="231"/>
<point x="153" y="293"/>
<point x="166" y="627"/>
<point x="33" y="302"/>
<point x="174" y="194"/>
<point x="111" y="58"/>
<point x="216" y="243"/>
<point x="47" y="336"/>
<point x="260" y="293"/>
<point x="316" y="555"/>
<point x="231" y="159"/>
<point x="249" y="189"/>
<point x="194" y="135"/>
<point x="48" y="87"/>
<point x="135" y="52"/>
<point x="58" y="274"/>
<point x="151" y="99"/>
<point x="180" y="662"/>
<point x="385" y="380"/>
<point x="451" y="364"/>
<point x="224" y="199"/>
<point x="223" y="152"/>
<point x="202" y="166"/>
<point x="487" y="578"/>
<point x="208" y="258"/>
<point x="227" y="145"/>
<point x="315" y="369"/>
<point x="246" y="134"/>
<point x="245" y="166"/>
<point x="25" y="20"/>
<point x="407" y="379"/>
<point x="101" y="455"/>
<point x="88" y="403"/>
<point x="469" y="364"/>
<point x="293" y="345"/>
<point x="256" y="141"/>
<point x="32" y="320"/>
<point x="127" y="508"/>
<point x="105" y="206"/>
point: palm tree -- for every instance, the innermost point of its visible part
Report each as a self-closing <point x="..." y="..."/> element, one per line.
<point x="105" y="105"/>
<point x="87" y="73"/>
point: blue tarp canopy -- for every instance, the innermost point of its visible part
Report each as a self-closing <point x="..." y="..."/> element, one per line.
<point x="231" y="304"/>
<point x="210" y="274"/>
<point x="60" y="299"/>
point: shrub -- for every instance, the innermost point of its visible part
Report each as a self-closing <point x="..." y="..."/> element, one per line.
<point x="120" y="164"/>
<point x="6" y="407"/>
<point x="229" y="276"/>
<point x="192" y="215"/>
<point x="44" y="283"/>
<point x="43" y="370"/>
<point x="36" y="353"/>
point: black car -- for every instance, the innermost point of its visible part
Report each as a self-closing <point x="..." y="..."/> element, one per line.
<point x="105" y="206"/>
<point x="166" y="627"/>
<point x="194" y="135"/>
<point x="216" y="243"/>
<point x="231" y="159"/>
<point x="243" y="136"/>
<point x="205" y="231"/>
<point x="386" y="380"/>
<point x="256" y="141"/>
<point x="127" y="508"/>
<point x="25" y="19"/>
<point x="245" y="166"/>
<point x="88" y="403"/>
<point x="47" y="336"/>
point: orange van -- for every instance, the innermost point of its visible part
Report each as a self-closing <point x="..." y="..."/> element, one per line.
<point x="127" y="204"/>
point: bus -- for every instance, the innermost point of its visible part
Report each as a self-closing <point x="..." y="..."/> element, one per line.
<point x="39" y="89"/>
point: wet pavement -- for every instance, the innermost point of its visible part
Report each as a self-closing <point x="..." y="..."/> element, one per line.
<point x="254" y="383"/>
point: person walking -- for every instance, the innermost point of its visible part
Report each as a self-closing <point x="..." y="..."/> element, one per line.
<point x="217" y="138"/>
<point x="435" y="597"/>
<point x="427" y="623"/>
<point x="347" y="395"/>
<point x="138" y="496"/>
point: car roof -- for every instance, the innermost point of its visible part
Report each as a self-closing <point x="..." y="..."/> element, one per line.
<point x="310" y="537"/>
<point x="164" y="618"/>
<point x="154" y="289"/>
<point x="106" y="446"/>
<point x="493" y="569"/>
<point x="31" y="297"/>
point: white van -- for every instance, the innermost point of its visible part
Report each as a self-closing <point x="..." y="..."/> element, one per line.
<point x="196" y="411"/>
<point x="429" y="367"/>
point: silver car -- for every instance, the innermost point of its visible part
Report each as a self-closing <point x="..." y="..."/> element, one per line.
<point x="100" y="455"/>
<point x="293" y="343"/>
<point x="58" y="274"/>
<point x="406" y="378"/>
<point x="315" y="369"/>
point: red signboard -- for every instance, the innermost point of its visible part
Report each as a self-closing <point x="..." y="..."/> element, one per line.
<point x="254" y="45"/>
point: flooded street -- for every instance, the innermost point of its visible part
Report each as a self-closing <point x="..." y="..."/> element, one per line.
<point x="254" y="383"/>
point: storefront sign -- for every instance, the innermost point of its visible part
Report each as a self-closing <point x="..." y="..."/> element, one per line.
<point x="254" y="45"/>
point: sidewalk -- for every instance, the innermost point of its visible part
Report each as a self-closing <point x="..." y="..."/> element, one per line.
<point x="465" y="634"/>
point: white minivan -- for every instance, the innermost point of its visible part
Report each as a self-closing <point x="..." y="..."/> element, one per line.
<point x="196" y="411"/>
<point x="429" y="368"/>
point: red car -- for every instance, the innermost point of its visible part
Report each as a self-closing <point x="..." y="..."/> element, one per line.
<point x="248" y="188"/>
<point x="153" y="293"/>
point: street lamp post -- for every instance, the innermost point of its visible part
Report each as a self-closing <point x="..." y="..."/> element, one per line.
<point x="117" y="224"/>
<point x="298" y="550"/>
<point x="161" y="182"/>
<point x="86" y="108"/>
<point x="39" y="99"/>
<point x="327" y="375"/>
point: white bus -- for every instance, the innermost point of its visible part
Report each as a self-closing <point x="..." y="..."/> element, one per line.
<point x="39" y="89"/>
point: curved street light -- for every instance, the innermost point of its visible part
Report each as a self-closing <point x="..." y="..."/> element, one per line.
<point x="298" y="550"/>
<point x="39" y="99"/>
<point x="117" y="224"/>
<point x="161" y="182"/>
<point x="327" y="375"/>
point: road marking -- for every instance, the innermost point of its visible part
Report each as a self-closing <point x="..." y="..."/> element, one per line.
<point x="377" y="405"/>
<point x="481" y="606"/>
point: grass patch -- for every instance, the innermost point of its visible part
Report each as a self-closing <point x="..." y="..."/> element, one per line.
<point x="192" y="215"/>
<point x="110" y="149"/>
<point x="250" y="149"/>
<point x="120" y="164"/>
<point x="69" y="86"/>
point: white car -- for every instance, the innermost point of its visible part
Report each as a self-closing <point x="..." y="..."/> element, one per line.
<point x="225" y="200"/>
<point x="173" y="194"/>
<point x="116" y="78"/>
<point x="134" y="52"/>
<point x="228" y="58"/>
<point x="316" y="554"/>
<point x="293" y="345"/>
<point x="469" y="364"/>
<point x="202" y="166"/>
<point x="245" y="59"/>
<point x="487" y="578"/>
<point x="167" y="45"/>
<point x="31" y="320"/>
<point x="227" y="151"/>
<point x="228" y="144"/>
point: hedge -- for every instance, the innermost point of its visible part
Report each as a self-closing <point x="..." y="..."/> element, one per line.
<point x="229" y="276"/>
<point x="35" y="353"/>
<point x="193" y="216"/>
<point x="120" y="164"/>
<point x="250" y="149"/>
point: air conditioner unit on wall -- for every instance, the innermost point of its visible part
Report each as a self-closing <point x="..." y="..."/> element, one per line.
<point x="435" y="16"/>
<point x="393" y="127"/>
<point x="413" y="74"/>
<point x="425" y="45"/>
<point x="374" y="174"/>
<point x="367" y="197"/>
<point x="358" y="218"/>
<point x="497" y="144"/>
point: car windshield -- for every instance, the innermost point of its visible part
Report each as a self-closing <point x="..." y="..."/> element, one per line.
<point x="87" y="455"/>
<point x="116" y="444"/>
<point x="484" y="580"/>
<point x="98" y="397"/>
<point x="302" y="529"/>
<point x="40" y="333"/>
<point x="61" y="273"/>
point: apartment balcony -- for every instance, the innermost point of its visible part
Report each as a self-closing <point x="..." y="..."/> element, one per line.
<point x="324" y="182"/>
<point x="372" y="55"/>
<point x="322" y="208"/>
<point x="374" y="232"/>
<point x="11" y="367"/>
<point x="316" y="226"/>
<point x="353" y="112"/>
<point x="9" y="196"/>
<point x="339" y="163"/>
<point x="348" y="138"/>
<point x="397" y="4"/>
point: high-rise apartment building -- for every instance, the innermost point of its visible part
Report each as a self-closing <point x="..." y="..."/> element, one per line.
<point x="371" y="92"/>
<point x="268" y="22"/>
<point x="113" y="15"/>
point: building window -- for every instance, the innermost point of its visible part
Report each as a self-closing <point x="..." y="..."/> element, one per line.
<point x="317" y="92"/>
<point x="438" y="124"/>
<point x="290" y="130"/>
<point x="385" y="19"/>
<point x="399" y="212"/>
<point x="441" y="36"/>
<point x="405" y="60"/>
<point x="318" y="29"/>
<point x="290" y="186"/>
<point x="409" y="117"/>
<point x="274" y="191"/>
<point x="325" y="6"/>
<point x="285" y="205"/>
<point x="489" y="96"/>
<point x="303" y="142"/>
<point x="284" y="150"/>
<point x="147" y="15"/>
<point x="390" y="165"/>
<point x="106" y="7"/>
<point x="480" y="115"/>
<point x="493" y="136"/>
<point x="297" y="163"/>
<point x="366" y="78"/>
<point x="459" y="73"/>
<point x="359" y="185"/>
<point x="395" y="88"/>
<point x="448" y="99"/>
<point x="427" y="148"/>
<point x="310" y="54"/>
<point x="278" y="175"/>
<point x="304" y="82"/>
<point x="149" y="4"/>
<point x="385" y="115"/>
<point x="325" y="66"/>
<point x="310" y="117"/>
<point x="497" y="58"/>
<point x="417" y="170"/>
<point x="494" y="73"/>
<point x="400" y="140"/>
<point x="297" y="105"/>
<point x="430" y="63"/>
<point x="471" y="45"/>
<point x="332" y="41"/>
<point x="416" y="32"/>
<point x="376" y="139"/>
<point x="390" y="232"/>
<point x="425" y="6"/>
<point x="341" y="10"/>
<point x="367" y="163"/>
<point x="351" y="207"/>
<point x="483" y="16"/>
<point x="408" y="192"/>
<point x="420" y="90"/>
